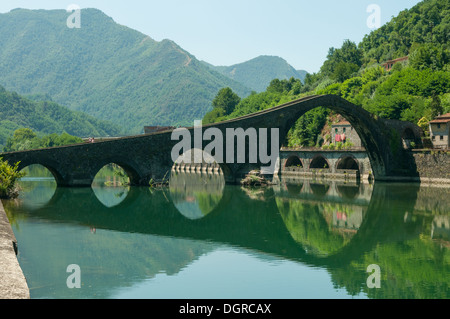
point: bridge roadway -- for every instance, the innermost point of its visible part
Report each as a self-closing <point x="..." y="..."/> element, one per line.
<point x="148" y="157"/>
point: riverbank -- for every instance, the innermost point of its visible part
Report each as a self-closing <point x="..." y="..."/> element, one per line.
<point x="13" y="284"/>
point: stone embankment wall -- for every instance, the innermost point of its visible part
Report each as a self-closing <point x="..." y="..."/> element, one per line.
<point x="13" y="284"/>
<point x="433" y="166"/>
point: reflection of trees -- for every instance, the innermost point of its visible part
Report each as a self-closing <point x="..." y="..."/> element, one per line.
<point x="395" y="231"/>
<point x="397" y="237"/>
<point x="314" y="225"/>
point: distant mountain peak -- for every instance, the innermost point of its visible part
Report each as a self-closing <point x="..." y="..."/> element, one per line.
<point x="258" y="72"/>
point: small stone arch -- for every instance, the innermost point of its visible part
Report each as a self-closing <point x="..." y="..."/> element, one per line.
<point x="293" y="161"/>
<point x="51" y="167"/>
<point x="130" y="170"/>
<point x="347" y="162"/>
<point x="409" y="139"/>
<point x="319" y="162"/>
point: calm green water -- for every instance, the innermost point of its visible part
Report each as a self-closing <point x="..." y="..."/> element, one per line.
<point x="201" y="238"/>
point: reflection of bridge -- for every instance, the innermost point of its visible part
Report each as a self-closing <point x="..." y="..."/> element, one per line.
<point x="148" y="157"/>
<point x="329" y="191"/>
<point x="239" y="220"/>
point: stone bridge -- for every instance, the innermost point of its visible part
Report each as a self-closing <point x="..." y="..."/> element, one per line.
<point x="149" y="157"/>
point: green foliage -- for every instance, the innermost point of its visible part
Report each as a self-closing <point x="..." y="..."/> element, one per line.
<point x="46" y="117"/>
<point x="213" y="116"/>
<point x="427" y="22"/>
<point x="226" y="100"/>
<point x="343" y="70"/>
<point x="307" y="129"/>
<point x="436" y="106"/>
<point x="292" y="86"/>
<point x="8" y="178"/>
<point x="26" y="139"/>
<point x="424" y="124"/>
<point x="429" y="56"/>
<point x="223" y="104"/>
<point x="342" y="63"/>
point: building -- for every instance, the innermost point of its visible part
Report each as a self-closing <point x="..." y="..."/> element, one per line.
<point x="440" y="131"/>
<point x="389" y="64"/>
<point x="344" y="132"/>
<point x="156" y="129"/>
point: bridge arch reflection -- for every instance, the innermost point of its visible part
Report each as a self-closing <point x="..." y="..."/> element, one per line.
<point x="196" y="195"/>
<point x="38" y="186"/>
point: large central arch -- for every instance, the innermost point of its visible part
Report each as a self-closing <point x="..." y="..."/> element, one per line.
<point x="378" y="136"/>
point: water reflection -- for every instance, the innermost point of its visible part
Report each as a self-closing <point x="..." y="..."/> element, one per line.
<point x="322" y="218"/>
<point x="37" y="193"/>
<point x="402" y="228"/>
<point x="196" y="195"/>
<point x="111" y="196"/>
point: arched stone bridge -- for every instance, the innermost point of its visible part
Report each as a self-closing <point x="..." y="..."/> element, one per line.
<point x="147" y="157"/>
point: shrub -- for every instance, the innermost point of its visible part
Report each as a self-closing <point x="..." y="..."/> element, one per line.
<point x="8" y="178"/>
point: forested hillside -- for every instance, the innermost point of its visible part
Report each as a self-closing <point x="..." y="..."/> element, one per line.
<point x="257" y="73"/>
<point x="107" y="70"/>
<point x="46" y="117"/>
<point x="416" y="90"/>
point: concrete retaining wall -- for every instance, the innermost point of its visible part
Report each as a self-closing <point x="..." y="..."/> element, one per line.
<point x="13" y="284"/>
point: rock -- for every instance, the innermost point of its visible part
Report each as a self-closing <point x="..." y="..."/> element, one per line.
<point x="254" y="178"/>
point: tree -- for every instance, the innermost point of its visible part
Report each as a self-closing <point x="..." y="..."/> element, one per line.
<point x="24" y="134"/>
<point x="226" y="100"/>
<point x="429" y="56"/>
<point x="26" y="139"/>
<point x="8" y="177"/>
<point x="343" y="71"/>
<point x="436" y="106"/>
<point x="285" y="86"/>
<point x="342" y="63"/>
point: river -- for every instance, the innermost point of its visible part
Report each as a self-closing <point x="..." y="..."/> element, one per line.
<point x="202" y="239"/>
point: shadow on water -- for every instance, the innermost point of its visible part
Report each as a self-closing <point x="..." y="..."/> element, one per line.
<point x="339" y="227"/>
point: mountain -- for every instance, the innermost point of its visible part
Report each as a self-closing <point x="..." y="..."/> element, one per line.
<point x="258" y="72"/>
<point x="46" y="117"/>
<point x="105" y="69"/>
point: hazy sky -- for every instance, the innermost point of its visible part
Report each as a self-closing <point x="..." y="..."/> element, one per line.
<point x="234" y="31"/>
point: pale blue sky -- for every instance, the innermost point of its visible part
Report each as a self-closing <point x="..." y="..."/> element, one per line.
<point x="234" y="31"/>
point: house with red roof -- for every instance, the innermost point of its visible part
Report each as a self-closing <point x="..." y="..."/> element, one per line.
<point x="440" y="131"/>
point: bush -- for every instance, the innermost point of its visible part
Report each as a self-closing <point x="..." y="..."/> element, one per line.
<point x="8" y="178"/>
